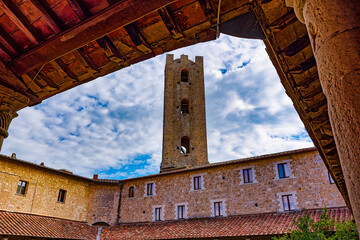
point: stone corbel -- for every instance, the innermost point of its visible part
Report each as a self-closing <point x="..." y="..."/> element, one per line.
<point x="298" y="6"/>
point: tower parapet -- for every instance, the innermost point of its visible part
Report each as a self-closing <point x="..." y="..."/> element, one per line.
<point x="184" y="130"/>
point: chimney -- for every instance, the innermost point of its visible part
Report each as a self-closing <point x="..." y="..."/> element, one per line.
<point x="95" y="177"/>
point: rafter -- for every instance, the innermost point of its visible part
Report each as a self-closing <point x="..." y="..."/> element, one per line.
<point x="20" y="20"/>
<point x="48" y="15"/>
<point x="110" y="49"/>
<point x="88" y="60"/>
<point x="170" y="23"/>
<point x="81" y="11"/>
<point x="137" y="37"/>
<point x="98" y="25"/>
<point x="9" y="40"/>
<point x="65" y="68"/>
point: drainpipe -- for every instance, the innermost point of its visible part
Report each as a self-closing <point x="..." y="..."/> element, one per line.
<point x="119" y="206"/>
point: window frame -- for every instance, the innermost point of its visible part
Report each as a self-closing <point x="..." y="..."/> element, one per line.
<point x="288" y="169"/>
<point x="287" y="206"/>
<point x="242" y="175"/>
<point x="218" y="208"/>
<point x="158" y="214"/>
<point x="131" y="193"/>
<point x="62" y="196"/>
<point x="182" y="212"/>
<point x="184" y="76"/>
<point x="197" y="183"/>
<point x="20" y="188"/>
<point x="291" y="201"/>
<point x="248" y="178"/>
<point x="184" y="106"/>
<point x="153" y="189"/>
<point x="150" y="189"/>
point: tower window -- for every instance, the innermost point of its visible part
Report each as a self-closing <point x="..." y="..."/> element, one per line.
<point x="184" y="106"/>
<point x="185" y="145"/>
<point x="131" y="192"/>
<point x="185" y="75"/>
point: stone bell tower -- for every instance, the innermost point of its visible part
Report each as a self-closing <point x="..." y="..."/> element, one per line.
<point x="184" y="134"/>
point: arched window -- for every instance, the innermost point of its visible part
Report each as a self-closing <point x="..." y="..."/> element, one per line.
<point x="131" y="192"/>
<point x="185" y="145"/>
<point x="184" y="106"/>
<point x="185" y="75"/>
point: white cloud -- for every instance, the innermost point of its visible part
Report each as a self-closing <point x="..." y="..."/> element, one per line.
<point x="113" y="125"/>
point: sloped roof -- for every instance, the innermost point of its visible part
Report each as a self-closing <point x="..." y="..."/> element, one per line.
<point x="245" y="225"/>
<point x="21" y="224"/>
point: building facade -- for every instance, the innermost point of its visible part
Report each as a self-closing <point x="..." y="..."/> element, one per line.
<point x="188" y="190"/>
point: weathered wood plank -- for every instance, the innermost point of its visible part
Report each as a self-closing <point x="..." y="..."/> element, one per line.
<point x="115" y="16"/>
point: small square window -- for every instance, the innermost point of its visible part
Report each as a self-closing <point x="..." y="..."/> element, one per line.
<point x="62" y="196"/>
<point x="248" y="175"/>
<point x="218" y="209"/>
<point x="197" y="183"/>
<point x="288" y="202"/>
<point x="150" y="189"/>
<point x="283" y="170"/>
<point x="21" y="188"/>
<point x="331" y="180"/>
<point x="181" y="211"/>
<point x="158" y="214"/>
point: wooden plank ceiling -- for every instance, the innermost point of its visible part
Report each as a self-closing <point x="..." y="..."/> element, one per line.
<point x="49" y="46"/>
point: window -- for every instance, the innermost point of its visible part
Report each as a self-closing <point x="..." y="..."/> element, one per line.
<point x="197" y="183"/>
<point x="150" y="189"/>
<point x="185" y="145"/>
<point x="181" y="211"/>
<point x="331" y="180"/>
<point x="283" y="170"/>
<point x="21" y="188"/>
<point x="288" y="203"/>
<point x="184" y="106"/>
<point x="158" y="214"/>
<point x="131" y="192"/>
<point x="218" y="209"/>
<point x="62" y="196"/>
<point x="248" y="176"/>
<point x="185" y="75"/>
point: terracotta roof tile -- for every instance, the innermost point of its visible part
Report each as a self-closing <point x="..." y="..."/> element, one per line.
<point x="244" y="225"/>
<point x="12" y="223"/>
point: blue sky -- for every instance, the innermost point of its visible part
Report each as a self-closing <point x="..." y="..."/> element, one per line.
<point x="112" y="126"/>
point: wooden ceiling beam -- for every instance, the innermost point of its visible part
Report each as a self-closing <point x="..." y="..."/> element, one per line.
<point x="79" y="8"/>
<point x="9" y="80"/>
<point x="170" y="23"/>
<point x="13" y="12"/>
<point x="88" y="60"/>
<point x="48" y="15"/>
<point x="10" y="41"/>
<point x="98" y="25"/>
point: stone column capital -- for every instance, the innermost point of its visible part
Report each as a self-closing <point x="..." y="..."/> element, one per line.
<point x="298" y="6"/>
<point x="10" y="103"/>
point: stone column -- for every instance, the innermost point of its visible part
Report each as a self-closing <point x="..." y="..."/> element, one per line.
<point x="334" y="31"/>
<point x="10" y="102"/>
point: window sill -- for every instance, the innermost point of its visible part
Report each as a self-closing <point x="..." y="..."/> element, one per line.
<point x="21" y="195"/>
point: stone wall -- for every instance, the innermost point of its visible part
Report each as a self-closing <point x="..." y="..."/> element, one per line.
<point x="308" y="183"/>
<point x="85" y="200"/>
